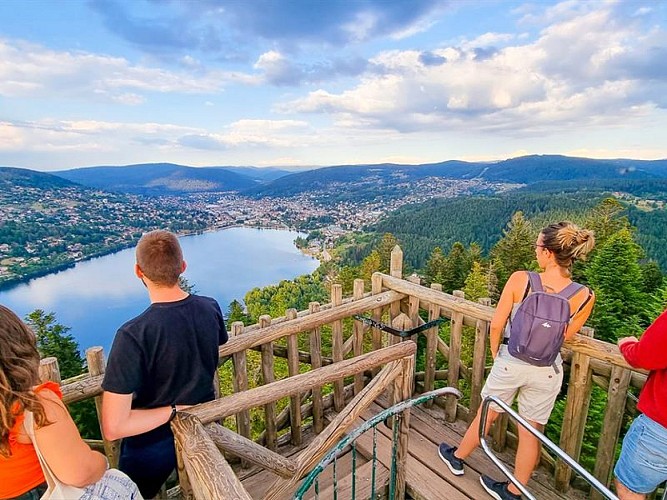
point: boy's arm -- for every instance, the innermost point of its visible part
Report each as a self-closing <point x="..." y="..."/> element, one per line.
<point x="119" y="420"/>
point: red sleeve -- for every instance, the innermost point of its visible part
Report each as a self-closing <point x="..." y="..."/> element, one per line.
<point x="650" y="353"/>
<point x="51" y="386"/>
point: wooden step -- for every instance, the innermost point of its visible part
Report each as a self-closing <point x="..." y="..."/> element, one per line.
<point x="363" y="484"/>
<point x="422" y="483"/>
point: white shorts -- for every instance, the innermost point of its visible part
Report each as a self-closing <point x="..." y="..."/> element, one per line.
<point x="537" y="386"/>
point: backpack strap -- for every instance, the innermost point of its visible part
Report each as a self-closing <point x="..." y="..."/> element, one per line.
<point x="570" y="290"/>
<point x="535" y="282"/>
<point x="583" y="304"/>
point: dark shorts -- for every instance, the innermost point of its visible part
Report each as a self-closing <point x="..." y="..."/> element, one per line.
<point x="34" y="494"/>
<point x="148" y="464"/>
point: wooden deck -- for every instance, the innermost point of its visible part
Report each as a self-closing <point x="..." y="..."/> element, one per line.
<point x="428" y="478"/>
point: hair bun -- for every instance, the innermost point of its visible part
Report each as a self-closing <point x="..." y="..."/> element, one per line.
<point x="568" y="236"/>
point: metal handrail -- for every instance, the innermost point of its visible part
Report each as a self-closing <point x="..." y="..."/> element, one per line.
<point x="395" y="410"/>
<point x="542" y="438"/>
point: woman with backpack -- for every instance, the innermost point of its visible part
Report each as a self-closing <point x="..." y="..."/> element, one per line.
<point x="525" y="348"/>
<point x="42" y="454"/>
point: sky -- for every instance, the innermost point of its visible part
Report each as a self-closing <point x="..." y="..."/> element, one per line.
<point x="299" y="83"/>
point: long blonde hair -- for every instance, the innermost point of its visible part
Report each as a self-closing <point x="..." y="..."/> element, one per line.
<point x="19" y="373"/>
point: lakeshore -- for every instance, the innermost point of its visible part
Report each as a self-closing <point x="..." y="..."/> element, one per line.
<point x="94" y="297"/>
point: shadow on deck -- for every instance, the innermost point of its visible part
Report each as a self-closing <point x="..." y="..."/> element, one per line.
<point x="427" y="477"/>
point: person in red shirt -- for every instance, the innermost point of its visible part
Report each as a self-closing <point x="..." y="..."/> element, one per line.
<point x="642" y="465"/>
<point x="66" y="455"/>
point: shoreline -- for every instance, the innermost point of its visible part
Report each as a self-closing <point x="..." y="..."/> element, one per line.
<point x="14" y="282"/>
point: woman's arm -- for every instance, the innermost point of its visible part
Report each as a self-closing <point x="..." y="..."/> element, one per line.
<point x="513" y="291"/>
<point x="68" y="456"/>
<point x="580" y="317"/>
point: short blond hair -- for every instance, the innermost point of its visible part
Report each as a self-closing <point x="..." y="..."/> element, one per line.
<point x="160" y="258"/>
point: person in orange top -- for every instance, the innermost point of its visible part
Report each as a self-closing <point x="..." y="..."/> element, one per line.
<point x="68" y="457"/>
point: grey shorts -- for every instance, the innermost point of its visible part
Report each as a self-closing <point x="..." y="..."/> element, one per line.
<point x="537" y="388"/>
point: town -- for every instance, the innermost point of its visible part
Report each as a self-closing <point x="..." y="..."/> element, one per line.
<point x="45" y="229"/>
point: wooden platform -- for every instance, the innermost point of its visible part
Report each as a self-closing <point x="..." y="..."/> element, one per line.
<point x="428" y="478"/>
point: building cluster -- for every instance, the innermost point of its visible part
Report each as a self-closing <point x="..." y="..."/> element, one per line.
<point x="43" y="228"/>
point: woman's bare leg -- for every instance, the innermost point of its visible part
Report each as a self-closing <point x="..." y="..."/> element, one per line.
<point x="626" y="494"/>
<point x="470" y="440"/>
<point x="527" y="455"/>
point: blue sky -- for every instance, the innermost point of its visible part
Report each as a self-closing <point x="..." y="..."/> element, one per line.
<point x="328" y="82"/>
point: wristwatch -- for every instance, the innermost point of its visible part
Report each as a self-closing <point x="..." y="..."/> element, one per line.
<point x="173" y="413"/>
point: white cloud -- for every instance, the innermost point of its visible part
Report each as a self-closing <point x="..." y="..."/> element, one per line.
<point x="30" y="70"/>
<point x="489" y="39"/>
<point x="578" y="71"/>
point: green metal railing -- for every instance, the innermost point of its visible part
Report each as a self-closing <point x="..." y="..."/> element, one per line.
<point x="396" y="411"/>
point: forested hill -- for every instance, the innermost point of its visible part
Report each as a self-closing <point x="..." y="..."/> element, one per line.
<point x="10" y="176"/>
<point x="420" y="228"/>
<point x="442" y="222"/>
<point x="159" y="179"/>
<point x="523" y="170"/>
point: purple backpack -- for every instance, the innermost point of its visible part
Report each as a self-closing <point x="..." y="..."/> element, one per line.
<point x="538" y="328"/>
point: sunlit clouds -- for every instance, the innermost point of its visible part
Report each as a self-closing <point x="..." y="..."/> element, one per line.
<point x="199" y="84"/>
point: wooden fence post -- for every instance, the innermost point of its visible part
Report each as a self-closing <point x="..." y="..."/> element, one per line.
<point x="316" y="362"/>
<point x="376" y="288"/>
<point x="431" y="346"/>
<point x="396" y="263"/>
<point x="395" y="270"/>
<point x="293" y="369"/>
<point x="268" y="376"/>
<point x="576" y="413"/>
<point x="454" y="359"/>
<point x="337" y="345"/>
<point x="48" y="370"/>
<point x="358" y="332"/>
<point x="96" y="366"/>
<point x="403" y="386"/>
<point x="478" y="363"/>
<point x="240" y="384"/>
<point x="619" y="380"/>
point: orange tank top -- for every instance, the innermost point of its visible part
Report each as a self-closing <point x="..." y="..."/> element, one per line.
<point x="21" y="472"/>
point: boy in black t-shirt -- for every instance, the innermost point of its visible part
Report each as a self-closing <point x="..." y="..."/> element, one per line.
<point x="161" y="361"/>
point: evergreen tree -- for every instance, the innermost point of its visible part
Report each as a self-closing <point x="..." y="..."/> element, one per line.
<point x="652" y="278"/>
<point x="185" y="285"/>
<point x="476" y="284"/>
<point x="434" y="267"/>
<point x="474" y="254"/>
<point x="346" y="277"/>
<point x="369" y="265"/>
<point x="236" y="313"/>
<point x="615" y="276"/>
<point x="53" y="340"/>
<point x="492" y="282"/>
<point x="456" y="268"/>
<point x="515" y="250"/>
<point x="384" y="249"/>
<point x="606" y="220"/>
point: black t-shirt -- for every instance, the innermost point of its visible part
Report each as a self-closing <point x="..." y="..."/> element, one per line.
<point x="168" y="354"/>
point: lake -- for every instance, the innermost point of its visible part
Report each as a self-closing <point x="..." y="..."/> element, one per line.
<point x="96" y="296"/>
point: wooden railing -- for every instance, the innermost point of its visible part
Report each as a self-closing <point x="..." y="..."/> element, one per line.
<point x="195" y="466"/>
<point x="297" y="338"/>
